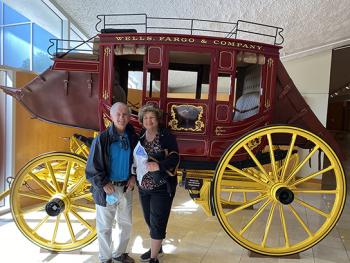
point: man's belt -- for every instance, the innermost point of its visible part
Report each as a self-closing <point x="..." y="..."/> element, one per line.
<point x="119" y="183"/>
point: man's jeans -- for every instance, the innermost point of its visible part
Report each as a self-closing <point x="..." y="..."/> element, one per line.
<point x="122" y="213"/>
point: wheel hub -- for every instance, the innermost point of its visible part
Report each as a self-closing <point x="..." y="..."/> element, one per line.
<point x="55" y="207"/>
<point x="284" y="195"/>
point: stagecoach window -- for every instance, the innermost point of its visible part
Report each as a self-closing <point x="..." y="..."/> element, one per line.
<point x="223" y="87"/>
<point x="188" y="75"/>
<point x="247" y="85"/>
<point x="153" y="83"/>
<point x="135" y="80"/>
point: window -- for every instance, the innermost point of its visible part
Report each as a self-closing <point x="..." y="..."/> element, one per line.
<point x="247" y="85"/>
<point x="223" y="87"/>
<point x="41" y="59"/>
<point x="153" y="83"/>
<point x="188" y="75"/>
<point x="17" y="46"/>
<point x="26" y="37"/>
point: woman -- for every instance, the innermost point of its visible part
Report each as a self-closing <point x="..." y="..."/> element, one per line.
<point x="156" y="158"/>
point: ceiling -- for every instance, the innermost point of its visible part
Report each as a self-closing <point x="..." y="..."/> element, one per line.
<point x="309" y="25"/>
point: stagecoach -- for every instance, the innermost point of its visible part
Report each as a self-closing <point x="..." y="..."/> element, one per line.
<point x="252" y="151"/>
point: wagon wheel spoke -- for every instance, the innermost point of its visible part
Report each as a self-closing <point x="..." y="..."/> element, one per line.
<point x="70" y="227"/>
<point x="76" y="186"/>
<point x="82" y="207"/>
<point x="306" y="178"/>
<point x="268" y="224"/>
<point x="81" y="220"/>
<point x="53" y="177"/>
<point x="311" y="207"/>
<point x="286" y="161"/>
<point x="256" y="161"/>
<point x="255" y="216"/>
<point x="300" y="220"/>
<point x="292" y="188"/>
<point x="272" y="158"/>
<point x="82" y="196"/>
<point x="247" y="175"/>
<point x="34" y="196"/>
<point x="300" y="165"/>
<point x="66" y="177"/>
<point x="250" y="203"/>
<point x="53" y="239"/>
<point x="41" y="184"/>
<point x="43" y="221"/>
<point x="284" y="225"/>
<point x="311" y="191"/>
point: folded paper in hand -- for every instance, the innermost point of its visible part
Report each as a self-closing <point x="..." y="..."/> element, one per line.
<point x="140" y="159"/>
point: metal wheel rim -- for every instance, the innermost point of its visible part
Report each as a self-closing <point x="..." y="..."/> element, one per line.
<point x="275" y="206"/>
<point x="76" y="222"/>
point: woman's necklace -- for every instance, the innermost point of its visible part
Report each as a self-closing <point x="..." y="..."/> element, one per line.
<point x="150" y="136"/>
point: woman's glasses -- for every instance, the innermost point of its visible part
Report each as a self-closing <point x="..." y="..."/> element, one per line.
<point x="124" y="144"/>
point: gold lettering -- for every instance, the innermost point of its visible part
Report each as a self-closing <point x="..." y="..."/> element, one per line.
<point x="191" y="40"/>
<point x="127" y="38"/>
<point x="232" y="44"/>
<point x="119" y="38"/>
<point x="149" y="38"/>
<point x="141" y="38"/>
<point x="176" y="39"/>
<point x="259" y="47"/>
<point x="135" y="38"/>
<point x="168" y="39"/>
<point x="216" y="42"/>
<point x="245" y="46"/>
<point x="252" y="46"/>
<point x="223" y="43"/>
<point x="183" y="39"/>
<point x="161" y="38"/>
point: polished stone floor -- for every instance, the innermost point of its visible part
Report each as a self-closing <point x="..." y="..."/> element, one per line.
<point x="192" y="237"/>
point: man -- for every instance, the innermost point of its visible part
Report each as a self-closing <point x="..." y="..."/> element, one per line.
<point x="108" y="170"/>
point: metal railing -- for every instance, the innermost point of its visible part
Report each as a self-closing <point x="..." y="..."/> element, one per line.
<point x="145" y="24"/>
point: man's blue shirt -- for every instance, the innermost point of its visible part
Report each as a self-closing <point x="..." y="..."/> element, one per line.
<point x="120" y="160"/>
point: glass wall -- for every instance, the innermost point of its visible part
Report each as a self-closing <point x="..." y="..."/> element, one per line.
<point x="25" y="32"/>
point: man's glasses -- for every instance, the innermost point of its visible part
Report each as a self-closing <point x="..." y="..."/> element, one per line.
<point x="124" y="144"/>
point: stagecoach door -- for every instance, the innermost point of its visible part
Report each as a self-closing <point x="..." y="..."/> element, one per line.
<point x="185" y="97"/>
<point x="242" y="96"/>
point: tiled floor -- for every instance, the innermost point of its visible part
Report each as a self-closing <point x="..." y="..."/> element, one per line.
<point x="192" y="237"/>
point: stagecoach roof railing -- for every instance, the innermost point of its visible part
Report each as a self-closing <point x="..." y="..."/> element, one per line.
<point x="60" y="47"/>
<point x="148" y="24"/>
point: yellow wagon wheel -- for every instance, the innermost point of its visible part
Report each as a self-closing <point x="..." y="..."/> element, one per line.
<point x="51" y="203"/>
<point x="289" y="206"/>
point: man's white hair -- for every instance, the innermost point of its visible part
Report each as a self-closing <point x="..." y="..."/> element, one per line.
<point x="116" y="105"/>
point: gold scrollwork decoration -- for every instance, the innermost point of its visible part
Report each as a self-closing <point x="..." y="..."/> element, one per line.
<point x="106" y="120"/>
<point x="270" y="62"/>
<point x="186" y="117"/>
<point x="105" y="94"/>
<point x="254" y="143"/>
<point x="107" y="51"/>
<point x="219" y="130"/>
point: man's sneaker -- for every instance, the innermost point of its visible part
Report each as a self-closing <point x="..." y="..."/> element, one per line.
<point x="124" y="258"/>
<point x="153" y="260"/>
<point x="145" y="257"/>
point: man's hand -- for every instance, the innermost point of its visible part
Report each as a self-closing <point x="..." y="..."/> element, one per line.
<point x="109" y="188"/>
<point x="152" y="166"/>
<point x="131" y="183"/>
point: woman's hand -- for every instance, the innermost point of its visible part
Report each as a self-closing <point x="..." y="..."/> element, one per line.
<point x="152" y="166"/>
